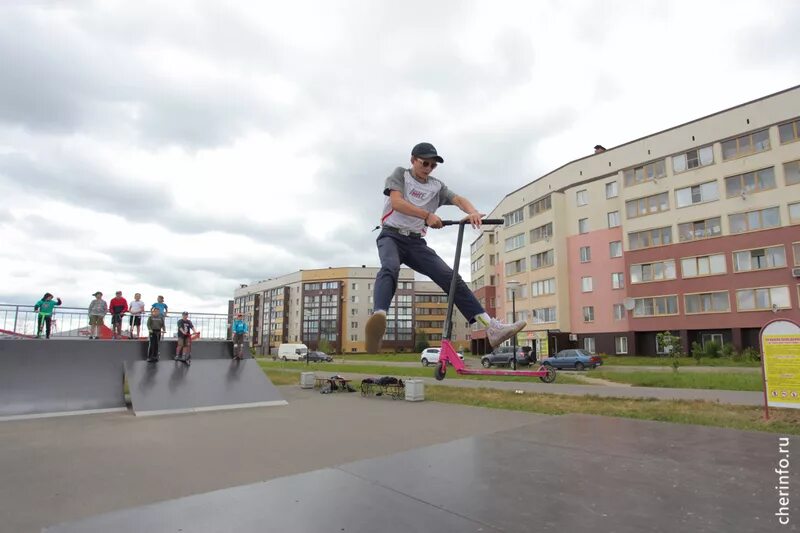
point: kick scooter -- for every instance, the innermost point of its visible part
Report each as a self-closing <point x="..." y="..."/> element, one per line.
<point x="448" y="355"/>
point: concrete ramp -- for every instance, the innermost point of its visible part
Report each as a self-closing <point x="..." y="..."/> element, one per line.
<point x="169" y="387"/>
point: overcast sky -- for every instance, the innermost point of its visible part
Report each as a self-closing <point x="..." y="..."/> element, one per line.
<point x="182" y="148"/>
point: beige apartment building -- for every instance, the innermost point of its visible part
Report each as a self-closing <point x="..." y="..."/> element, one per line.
<point x="695" y="230"/>
<point x="332" y="304"/>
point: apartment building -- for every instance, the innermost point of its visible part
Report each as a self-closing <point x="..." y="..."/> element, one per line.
<point x="695" y="230"/>
<point x="333" y="304"/>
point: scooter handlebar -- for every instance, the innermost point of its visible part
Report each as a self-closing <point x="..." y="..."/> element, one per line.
<point x="486" y="221"/>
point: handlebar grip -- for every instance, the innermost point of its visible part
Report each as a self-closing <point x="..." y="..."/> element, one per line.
<point x="486" y="221"/>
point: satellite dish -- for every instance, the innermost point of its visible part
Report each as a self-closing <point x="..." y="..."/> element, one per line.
<point x="629" y="303"/>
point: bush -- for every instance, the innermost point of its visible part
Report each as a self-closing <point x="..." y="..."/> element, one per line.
<point x="751" y="354"/>
<point x="697" y="351"/>
<point x="712" y="349"/>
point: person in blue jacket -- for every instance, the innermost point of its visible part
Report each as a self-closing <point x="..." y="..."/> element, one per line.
<point x="239" y="328"/>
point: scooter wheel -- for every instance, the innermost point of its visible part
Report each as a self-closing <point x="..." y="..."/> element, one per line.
<point x="440" y="371"/>
<point x="551" y="374"/>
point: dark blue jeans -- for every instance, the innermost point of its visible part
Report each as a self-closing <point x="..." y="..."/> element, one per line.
<point x="395" y="249"/>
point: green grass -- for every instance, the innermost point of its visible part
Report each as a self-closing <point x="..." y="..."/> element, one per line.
<point x="685" y="380"/>
<point x="786" y="421"/>
<point x="379" y="370"/>
<point x="638" y="360"/>
<point x="381" y="357"/>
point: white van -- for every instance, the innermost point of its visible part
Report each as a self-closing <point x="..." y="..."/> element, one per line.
<point x="292" y="352"/>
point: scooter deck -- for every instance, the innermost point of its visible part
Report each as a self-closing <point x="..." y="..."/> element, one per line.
<point x="527" y="373"/>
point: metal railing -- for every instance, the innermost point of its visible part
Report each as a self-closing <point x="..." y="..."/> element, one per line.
<point x="20" y="321"/>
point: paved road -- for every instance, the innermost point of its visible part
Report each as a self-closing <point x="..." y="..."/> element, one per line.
<point x="722" y="396"/>
<point x="610" y="368"/>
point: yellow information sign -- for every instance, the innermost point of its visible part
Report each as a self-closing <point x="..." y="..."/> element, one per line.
<point x="780" y="348"/>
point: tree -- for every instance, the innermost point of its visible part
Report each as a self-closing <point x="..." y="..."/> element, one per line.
<point x="324" y="346"/>
<point x="672" y="345"/>
<point x="422" y="341"/>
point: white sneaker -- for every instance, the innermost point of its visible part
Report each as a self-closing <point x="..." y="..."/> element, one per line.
<point x="497" y="332"/>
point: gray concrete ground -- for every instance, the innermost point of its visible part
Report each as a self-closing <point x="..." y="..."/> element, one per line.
<point x="535" y="385"/>
<point x="62" y="469"/>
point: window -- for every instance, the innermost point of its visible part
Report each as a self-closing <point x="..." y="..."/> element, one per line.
<point x="544" y="314"/>
<point x="588" y="344"/>
<point x="791" y="172"/>
<point x="794" y="213"/>
<point x="790" y="131"/>
<point x="588" y="313"/>
<point x="763" y="299"/>
<point x="615" y="248"/>
<point x="477" y="264"/>
<point x="699" y="157"/>
<point x="649" y="238"/>
<point x="646" y="272"/>
<point x="586" y="284"/>
<point x="515" y="243"/>
<point x="700" y="229"/>
<point x="583" y="225"/>
<point x="542" y="232"/>
<point x="759" y="259"/>
<point x="613" y="219"/>
<point x="745" y="145"/>
<point x="707" y="302"/>
<point x="697" y="194"/>
<point x="649" y="172"/>
<point x="796" y="252"/>
<point x="354" y="325"/>
<point x="353" y="311"/>
<point x="704" y="265"/>
<point x="513" y="218"/>
<point x="515" y="267"/>
<point x="750" y="182"/>
<point x="705" y="338"/>
<point x="540" y="206"/>
<point x="543" y="287"/>
<point x="522" y="292"/>
<point x="754" y="220"/>
<point x="354" y="299"/>
<point x="619" y="312"/>
<point x="542" y="260"/>
<point x="648" y="205"/>
<point x="477" y="245"/>
<point x="586" y="254"/>
<point x="617" y="280"/>
<point x="621" y="345"/>
<point x="655" y="306"/>
<point x="582" y="197"/>
<point x="612" y="190"/>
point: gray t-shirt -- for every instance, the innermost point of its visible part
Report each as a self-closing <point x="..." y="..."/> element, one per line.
<point x="428" y="195"/>
<point x="98" y="307"/>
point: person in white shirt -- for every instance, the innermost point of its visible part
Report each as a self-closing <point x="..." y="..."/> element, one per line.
<point x="136" y="309"/>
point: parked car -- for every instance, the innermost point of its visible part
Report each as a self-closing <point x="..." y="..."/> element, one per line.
<point x="430" y="356"/>
<point x="320" y="356"/>
<point x="502" y="356"/>
<point x="292" y="352"/>
<point x="573" y="358"/>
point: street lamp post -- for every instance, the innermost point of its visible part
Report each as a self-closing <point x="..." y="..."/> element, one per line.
<point x="513" y="286"/>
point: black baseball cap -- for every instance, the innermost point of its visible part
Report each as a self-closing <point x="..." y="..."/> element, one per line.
<point x="426" y="151"/>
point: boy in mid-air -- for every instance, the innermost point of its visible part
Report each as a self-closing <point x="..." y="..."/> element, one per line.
<point x="185" y="328"/>
<point x="412" y="197"/>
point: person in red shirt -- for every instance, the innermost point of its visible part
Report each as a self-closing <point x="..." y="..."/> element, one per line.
<point x="118" y="307"/>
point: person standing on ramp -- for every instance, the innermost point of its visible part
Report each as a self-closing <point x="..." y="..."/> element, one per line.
<point x="239" y="328"/>
<point x="412" y="197"/>
<point x="185" y="328"/>
<point x="155" y="325"/>
<point x="45" y="307"/>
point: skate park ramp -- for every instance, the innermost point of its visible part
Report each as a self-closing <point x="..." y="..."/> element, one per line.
<point x="574" y="473"/>
<point x="59" y="377"/>
<point x="169" y="387"/>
